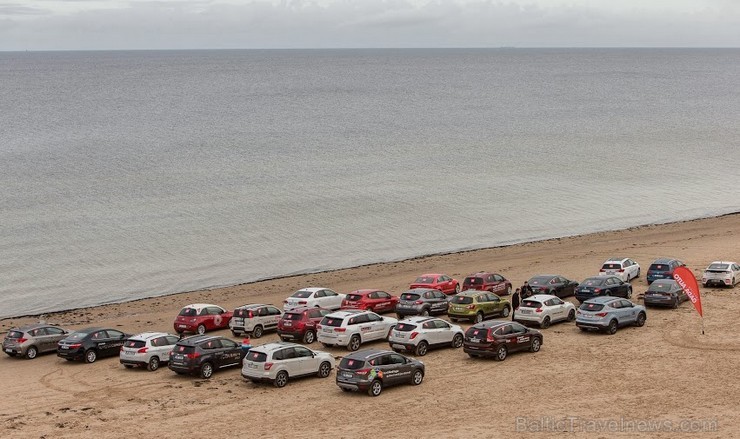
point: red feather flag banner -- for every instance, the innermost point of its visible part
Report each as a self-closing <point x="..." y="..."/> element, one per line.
<point x="687" y="281"/>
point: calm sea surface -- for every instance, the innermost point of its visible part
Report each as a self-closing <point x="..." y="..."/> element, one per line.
<point x="132" y="174"/>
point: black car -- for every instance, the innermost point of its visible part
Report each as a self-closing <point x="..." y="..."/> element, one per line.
<point x="603" y="286"/>
<point x="662" y="268"/>
<point x="203" y="354"/>
<point x="553" y="285"/>
<point x="91" y="343"/>
<point x="371" y="370"/>
<point x="497" y="338"/>
<point x="422" y="301"/>
<point x="665" y="292"/>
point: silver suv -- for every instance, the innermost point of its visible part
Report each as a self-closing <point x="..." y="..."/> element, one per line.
<point x="254" y="319"/>
<point x="147" y="349"/>
<point x="277" y="362"/>
<point x="30" y="340"/>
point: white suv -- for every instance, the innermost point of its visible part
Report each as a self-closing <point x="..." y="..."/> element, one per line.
<point x="723" y="273"/>
<point x="254" y="319"/>
<point x="544" y="310"/>
<point x="351" y="328"/>
<point x="147" y="349"/>
<point x="624" y="268"/>
<point x="277" y="362"/>
<point x="418" y="334"/>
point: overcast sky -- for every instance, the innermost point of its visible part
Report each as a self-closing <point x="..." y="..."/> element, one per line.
<point x="203" y="24"/>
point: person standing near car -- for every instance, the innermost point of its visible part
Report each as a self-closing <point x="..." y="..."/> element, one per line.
<point x="526" y="290"/>
<point x="515" y="302"/>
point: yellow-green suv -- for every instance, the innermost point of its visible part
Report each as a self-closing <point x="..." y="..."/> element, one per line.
<point x="477" y="306"/>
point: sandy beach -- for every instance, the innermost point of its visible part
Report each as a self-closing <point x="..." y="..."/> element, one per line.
<point x="662" y="380"/>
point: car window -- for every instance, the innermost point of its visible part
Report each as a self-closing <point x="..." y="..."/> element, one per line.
<point x="188" y="312"/>
<point x="203" y="312"/>
<point x="136" y="344"/>
<point x="373" y="295"/>
<point x="384" y="295"/>
<point x="429" y="325"/>
<point x="99" y="335"/>
<point x="517" y="329"/>
<point x="556" y="301"/>
<point x="586" y="306"/>
<point x="171" y="339"/>
<point x="440" y="295"/>
<point x="462" y="299"/>
<point x="528" y="303"/>
<point x="489" y="278"/>
<point x="274" y="311"/>
<point x="444" y="278"/>
<point x="498" y="278"/>
<point x="356" y="320"/>
<point x="615" y="304"/>
<point x="481" y="298"/>
<point x="441" y="324"/>
<point x="506" y="330"/>
<point x="320" y="293"/>
<point x="395" y="359"/>
<point x="351" y="363"/>
<point x="159" y="341"/>
<point x="302" y="294"/>
<point x="226" y="343"/>
<point x="329" y="293"/>
<point x="372" y="317"/>
<point x="301" y="352"/>
<point x="211" y="344"/>
<point x="626" y="304"/>
<point x="256" y="356"/>
<point x="212" y="310"/>
<point x="54" y="331"/>
<point x="405" y="327"/>
<point x="493" y="298"/>
<point x="332" y="321"/>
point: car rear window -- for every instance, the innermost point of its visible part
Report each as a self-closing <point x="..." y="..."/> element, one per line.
<point x="593" y="282"/>
<point x="292" y="316"/>
<point x="591" y="306"/>
<point x="15" y="334"/>
<point x="351" y="363"/>
<point x="241" y="312"/>
<point x="539" y="280"/>
<point x="302" y="294"/>
<point x="405" y="327"/>
<point x="409" y="296"/>
<point x="531" y="304"/>
<point x="659" y="287"/>
<point x="354" y="297"/>
<point x="476" y="332"/>
<point x="473" y="280"/>
<point x="424" y="280"/>
<point x="183" y="349"/>
<point x="718" y="267"/>
<point x="256" y="356"/>
<point x="616" y="266"/>
<point x="77" y="336"/>
<point x="332" y="321"/>
<point x="660" y="267"/>
<point x="462" y="299"/>
<point x="188" y="312"/>
<point x="135" y="344"/>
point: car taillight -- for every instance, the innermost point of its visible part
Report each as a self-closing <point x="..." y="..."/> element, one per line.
<point x="621" y="270"/>
<point x="250" y="315"/>
<point x="413" y="335"/>
<point x="602" y="270"/>
<point x="268" y="366"/>
<point x="418" y="302"/>
<point x="193" y="355"/>
<point x="597" y="290"/>
<point x="340" y="329"/>
<point x="302" y="302"/>
<point x="75" y="346"/>
<point x="489" y="338"/>
<point x="193" y="320"/>
<point x="285" y="301"/>
<point x="22" y="340"/>
<point x="470" y="307"/>
<point x="601" y="314"/>
<point x="538" y="310"/>
<point x="362" y="372"/>
<point x="142" y="350"/>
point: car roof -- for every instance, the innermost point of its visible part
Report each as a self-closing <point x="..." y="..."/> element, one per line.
<point x="418" y="290"/>
<point x="367" y="353"/>
<point x="541" y="297"/>
<point x="363" y="292"/>
<point x="480" y="273"/>
<point x="273" y="346"/>
<point x="198" y="339"/>
<point x="301" y="309"/>
<point x="345" y="313"/>
<point x="550" y="276"/>
<point x="418" y="319"/>
<point x="252" y="305"/>
<point x="199" y="306"/>
<point x="602" y="277"/>
<point x="615" y="260"/>
<point x="431" y="274"/>
<point x="149" y="335"/>
<point x="602" y="299"/>
<point x="488" y="324"/>
<point x="32" y="326"/>
<point x="312" y="289"/>
<point x="664" y="281"/>
<point x="664" y="260"/>
<point x="723" y="262"/>
<point x="471" y="293"/>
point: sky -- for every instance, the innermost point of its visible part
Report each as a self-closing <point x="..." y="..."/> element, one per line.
<point x="268" y="24"/>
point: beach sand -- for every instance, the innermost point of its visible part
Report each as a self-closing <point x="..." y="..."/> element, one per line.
<point x="625" y="385"/>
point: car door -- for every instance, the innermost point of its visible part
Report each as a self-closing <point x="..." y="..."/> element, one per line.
<point x="53" y="335"/>
<point x="101" y="342"/>
<point x="506" y="336"/>
<point x="331" y="300"/>
<point x="116" y="340"/>
<point x="376" y="324"/>
<point x="437" y="301"/>
<point x="556" y="308"/>
<point x="394" y="369"/>
<point x="522" y="337"/>
<point x="494" y="303"/>
<point x="444" y="333"/>
<point x="500" y="282"/>
<point x="630" y="311"/>
<point x="444" y="284"/>
<point x="273" y="317"/>
<point x="307" y="363"/>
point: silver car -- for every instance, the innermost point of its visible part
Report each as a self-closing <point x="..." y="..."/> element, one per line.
<point x="278" y="362"/>
<point x="30" y="340"/>
<point x="607" y="313"/>
<point x="418" y="334"/>
<point x="147" y="349"/>
<point x="254" y="319"/>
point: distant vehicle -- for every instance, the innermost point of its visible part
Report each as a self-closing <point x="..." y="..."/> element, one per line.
<point x="300" y="324"/>
<point x="665" y="292"/>
<point x="544" y="310"/>
<point x="91" y="343"/>
<point x="485" y="281"/>
<point x="477" y="306"/>
<point x="201" y="317"/>
<point x="30" y="340"/>
<point x="372" y="370"/>
<point x="148" y="349"/>
<point x="624" y="268"/>
<point x="603" y="286"/>
<point x="662" y="269"/>
<point x="419" y="334"/>
<point x="498" y="338"/>
<point x="372" y="300"/>
<point x="352" y="328"/>
<point x="553" y="285"/>
<point x="606" y="313"/>
<point x="204" y="354"/>
<point x="437" y="281"/>
<point x="254" y="319"/>
<point x="314" y="297"/>
<point x="422" y="301"/>
<point x="276" y="363"/>
<point x="722" y="273"/>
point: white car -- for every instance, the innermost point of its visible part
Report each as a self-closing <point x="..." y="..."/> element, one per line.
<point x="254" y="319"/>
<point x="314" y="297"/>
<point x="278" y="362"/>
<point x="544" y="310"/>
<point x="418" y="334"/>
<point x="147" y="349"/>
<point x="624" y="268"/>
<point x="351" y="328"/>
<point x="721" y="273"/>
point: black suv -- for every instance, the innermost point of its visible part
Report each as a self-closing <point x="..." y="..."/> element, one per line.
<point x="422" y="301"/>
<point x="91" y="343"/>
<point x="371" y="370"/>
<point x="203" y="354"/>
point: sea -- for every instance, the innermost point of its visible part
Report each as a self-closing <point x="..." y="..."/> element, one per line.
<point x="132" y="174"/>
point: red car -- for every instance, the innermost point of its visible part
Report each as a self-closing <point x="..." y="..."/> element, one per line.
<point x="436" y="281"/>
<point x="299" y="324"/>
<point x="485" y="281"/>
<point x="201" y="317"/>
<point x="372" y="300"/>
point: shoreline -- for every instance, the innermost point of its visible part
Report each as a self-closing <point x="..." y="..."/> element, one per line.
<point x="337" y="270"/>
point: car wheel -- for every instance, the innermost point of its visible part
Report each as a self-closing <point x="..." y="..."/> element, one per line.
<point x="417" y="377"/>
<point x="638" y="273"/>
<point x="235" y="334"/>
<point x="31" y="352"/>
<point x="324" y="369"/>
<point x="536" y="344"/>
<point x="545" y="322"/>
<point x="479" y="317"/>
<point x="257" y="331"/>
<point x="571" y="315"/>
<point x="629" y="292"/>
<point x="200" y="329"/>
<point x="457" y="288"/>
<point x="421" y="348"/>
<point x="254" y="381"/>
<point x="375" y="388"/>
<point x="506" y="311"/>
<point x="425" y="312"/>
<point x="281" y="379"/>
<point x="640" y="319"/>
<point x="90" y="356"/>
<point x="206" y="370"/>
<point x="675" y="303"/>
<point x="399" y="316"/>
<point x="345" y="390"/>
<point x="501" y="353"/>
<point x="472" y="355"/>
<point x="153" y="364"/>
<point x="453" y="319"/>
<point x="354" y="343"/>
<point x="128" y="366"/>
<point x="309" y="337"/>
<point x="457" y="341"/>
<point x="612" y="328"/>
<point x="326" y="345"/>
<point x="583" y="329"/>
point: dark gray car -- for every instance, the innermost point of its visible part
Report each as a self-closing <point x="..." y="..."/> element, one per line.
<point x="422" y="301"/>
<point x="30" y="340"/>
<point x="665" y="292"/>
<point x="371" y="370"/>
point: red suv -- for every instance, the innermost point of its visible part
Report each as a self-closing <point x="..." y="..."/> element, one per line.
<point x="371" y="300"/>
<point x="485" y="281"/>
<point x="202" y="317"/>
<point x="300" y="323"/>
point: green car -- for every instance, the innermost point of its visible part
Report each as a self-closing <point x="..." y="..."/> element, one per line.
<point x="478" y="306"/>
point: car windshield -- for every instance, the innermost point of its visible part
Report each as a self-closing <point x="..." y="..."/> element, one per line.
<point x="190" y="312"/>
<point x="721" y="267"/>
<point x="135" y="344"/>
<point x="256" y="356"/>
<point x="474" y="280"/>
<point x="659" y="287"/>
<point x="409" y="296"/>
<point x="591" y="306"/>
<point x="301" y="294"/>
<point x="14" y="334"/>
<point x="539" y="280"/>
<point x="351" y="363"/>
<point x="531" y="304"/>
<point x="659" y="267"/>
<point x="424" y="280"/>
<point x="354" y="297"/>
<point x="405" y="327"/>
<point x="332" y="321"/>
<point x="77" y="336"/>
<point x="462" y="299"/>
<point x="593" y="282"/>
<point x="611" y="266"/>
<point x="292" y="316"/>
